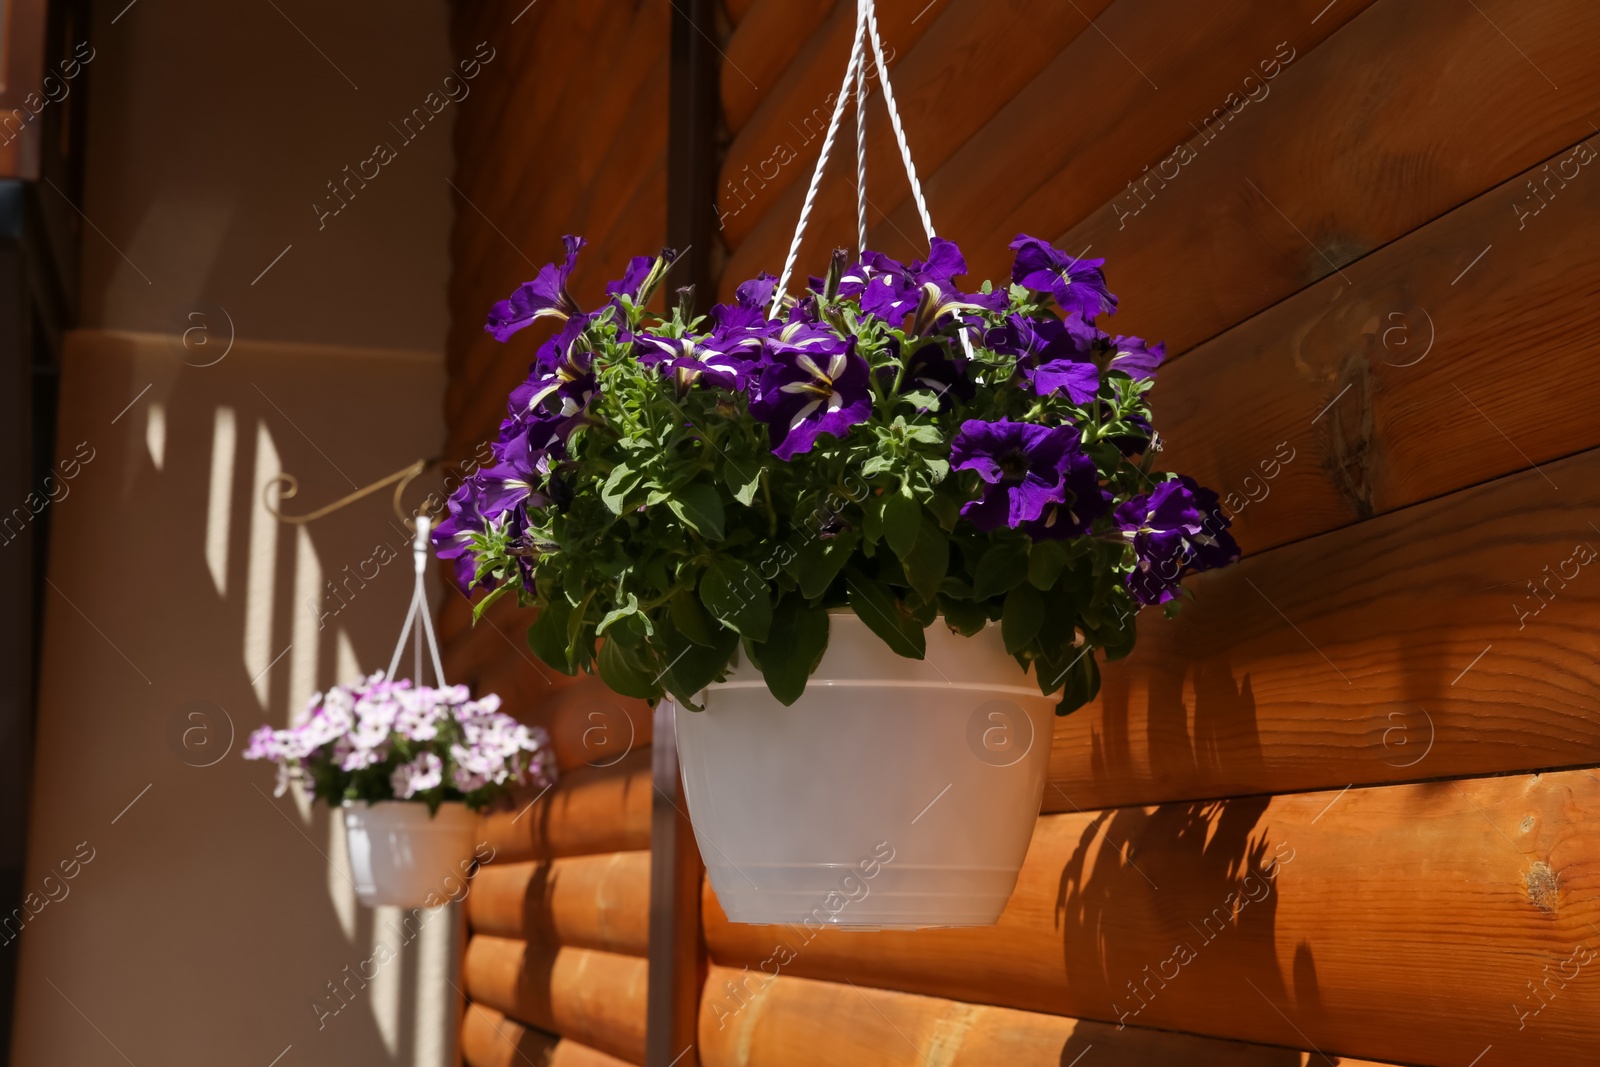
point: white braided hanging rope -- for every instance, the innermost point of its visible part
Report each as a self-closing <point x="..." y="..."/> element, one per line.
<point x="866" y="29"/>
<point x="822" y="158"/>
<point x="861" y="158"/>
<point x="894" y="120"/>
<point x="419" y="616"/>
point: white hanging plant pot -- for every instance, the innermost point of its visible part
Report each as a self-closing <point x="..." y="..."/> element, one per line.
<point x="893" y="793"/>
<point x="400" y="855"/>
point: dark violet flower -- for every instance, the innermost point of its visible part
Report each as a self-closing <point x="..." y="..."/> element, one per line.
<point x="452" y="537"/>
<point x="1030" y="474"/>
<point x="1079" y="285"/>
<point x="545" y="296"/>
<point x="642" y="277"/>
<point x="812" y="382"/>
<point x="1133" y="357"/>
<point x="633" y="277"/>
<point x="1054" y="355"/>
<point x="933" y="368"/>
<point x="1177" y="528"/>
<point x="1080" y="381"/>
<point x="890" y="290"/>
<point x="688" y="359"/>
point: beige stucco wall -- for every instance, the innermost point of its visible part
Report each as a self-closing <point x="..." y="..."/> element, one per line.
<point x="180" y="616"/>
<point x="212" y="915"/>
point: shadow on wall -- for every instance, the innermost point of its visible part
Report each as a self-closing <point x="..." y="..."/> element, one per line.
<point x="214" y="922"/>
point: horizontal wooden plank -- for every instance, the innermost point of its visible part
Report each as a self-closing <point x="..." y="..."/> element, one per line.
<point x="626" y="116"/>
<point x="1197" y="55"/>
<point x="600" y="902"/>
<point x="753" y="1020"/>
<point x="1387" y="383"/>
<point x="1388" y="651"/>
<point x="1420" y="107"/>
<point x="523" y="116"/>
<point x="1414" y="923"/>
<point x="594" y="998"/>
<point x="761" y="48"/>
<point x="633" y="224"/>
<point x="591" y="810"/>
<point x="489" y="1039"/>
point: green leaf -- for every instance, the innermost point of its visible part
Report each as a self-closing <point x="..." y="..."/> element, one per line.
<point x="629" y="608"/>
<point x="902" y="521"/>
<point x="629" y="670"/>
<point x="794" y="648"/>
<point x="872" y="521"/>
<point x="743" y="481"/>
<point x="690" y="619"/>
<point x="1001" y="568"/>
<point x="946" y="509"/>
<point x="494" y="594"/>
<point x="548" y="635"/>
<point x="622" y="481"/>
<point x="877" y="464"/>
<point x="700" y="506"/>
<point x="736" y="594"/>
<point x="1024" y="614"/>
<point x="692" y="666"/>
<point x="928" y="561"/>
<point x="963" y="616"/>
<point x="820" y="562"/>
<point x="877" y="606"/>
<point x="1082" y="682"/>
<point x="1045" y="562"/>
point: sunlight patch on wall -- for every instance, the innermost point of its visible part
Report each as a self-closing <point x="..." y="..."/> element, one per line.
<point x="219" y="504"/>
<point x="386" y="983"/>
<point x="155" y="432"/>
<point x="341" y="887"/>
<point x="436" y="1000"/>
<point x="345" y="664"/>
<point x="305" y="638"/>
<point x="258" y="650"/>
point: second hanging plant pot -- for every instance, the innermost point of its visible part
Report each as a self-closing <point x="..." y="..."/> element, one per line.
<point x="895" y="793"/>
<point x="401" y="855"/>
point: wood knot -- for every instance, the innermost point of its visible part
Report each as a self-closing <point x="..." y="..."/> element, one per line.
<point x="1348" y="424"/>
<point x="1543" y="886"/>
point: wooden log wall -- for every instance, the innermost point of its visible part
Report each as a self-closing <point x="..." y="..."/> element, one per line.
<point x="1324" y="813"/>
<point x="564" y="132"/>
<point x="1337" y="811"/>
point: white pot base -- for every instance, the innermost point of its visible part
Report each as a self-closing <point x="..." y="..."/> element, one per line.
<point x="401" y="856"/>
<point x="901" y="794"/>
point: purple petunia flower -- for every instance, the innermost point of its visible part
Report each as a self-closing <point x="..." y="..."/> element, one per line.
<point x="932" y="367"/>
<point x="1133" y="357"/>
<point x="633" y="277"/>
<point x="812" y="382"/>
<point x="642" y="277"/>
<point x="891" y="290"/>
<point x="1079" y="285"/>
<point x="749" y="307"/>
<point x="1053" y="355"/>
<point x="1177" y="528"/>
<point x="1034" y="477"/>
<point x="452" y="537"/>
<point x="545" y="296"/>
<point x="688" y="359"/>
